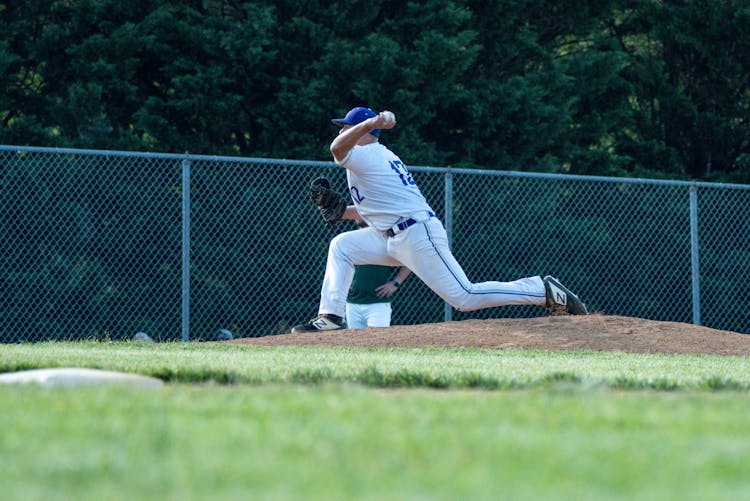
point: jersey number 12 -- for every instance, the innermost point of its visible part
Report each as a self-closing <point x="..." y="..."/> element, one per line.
<point x="402" y="171"/>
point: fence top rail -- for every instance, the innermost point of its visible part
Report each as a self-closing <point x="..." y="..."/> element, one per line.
<point x="163" y="156"/>
<point x="580" y="177"/>
<point x="422" y="168"/>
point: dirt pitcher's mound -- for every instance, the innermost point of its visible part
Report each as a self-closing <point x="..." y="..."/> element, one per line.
<point x="592" y="332"/>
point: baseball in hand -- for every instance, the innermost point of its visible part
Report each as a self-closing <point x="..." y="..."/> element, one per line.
<point x="389" y="117"/>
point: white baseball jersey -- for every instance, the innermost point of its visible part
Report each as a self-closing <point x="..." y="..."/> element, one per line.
<point x="381" y="186"/>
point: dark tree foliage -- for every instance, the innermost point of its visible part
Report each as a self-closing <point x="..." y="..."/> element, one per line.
<point x="689" y="64"/>
<point x="609" y="87"/>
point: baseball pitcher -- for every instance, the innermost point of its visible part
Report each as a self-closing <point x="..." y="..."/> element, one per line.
<point x="402" y="230"/>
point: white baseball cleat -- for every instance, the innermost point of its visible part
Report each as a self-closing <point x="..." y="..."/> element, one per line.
<point x="561" y="300"/>
<point x="323" y="322"/>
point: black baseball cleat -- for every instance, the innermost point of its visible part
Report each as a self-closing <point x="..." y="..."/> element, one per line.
<point x="323" y="322"/>
<point x="561" y="300"/>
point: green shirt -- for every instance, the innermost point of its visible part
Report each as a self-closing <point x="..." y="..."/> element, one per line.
<point x="367" y="277"/>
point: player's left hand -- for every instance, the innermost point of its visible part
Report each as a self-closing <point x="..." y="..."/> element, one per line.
<point x="331" y="204"/>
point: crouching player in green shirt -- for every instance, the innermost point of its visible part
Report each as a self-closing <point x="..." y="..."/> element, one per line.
<point x="369" y="301"/>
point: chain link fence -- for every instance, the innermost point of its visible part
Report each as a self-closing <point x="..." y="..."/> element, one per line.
<point x="104" y="244"/>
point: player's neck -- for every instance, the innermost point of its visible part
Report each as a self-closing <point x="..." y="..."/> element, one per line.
<point x="367" y="139"/>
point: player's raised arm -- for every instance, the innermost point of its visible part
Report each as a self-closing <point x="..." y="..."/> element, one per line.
<point x="359" y="127"/>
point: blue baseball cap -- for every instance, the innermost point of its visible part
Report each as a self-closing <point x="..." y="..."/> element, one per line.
<point x="356" y="116"/>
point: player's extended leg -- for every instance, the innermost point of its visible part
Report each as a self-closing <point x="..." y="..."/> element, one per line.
<point x="424" y="249"/>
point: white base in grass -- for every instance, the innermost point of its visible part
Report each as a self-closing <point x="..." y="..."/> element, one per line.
<point x="76" y="376"/>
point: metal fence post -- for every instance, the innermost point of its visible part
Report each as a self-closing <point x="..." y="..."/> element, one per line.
<point x="186" y="249"/>
<point x="694" y="254"/>
<point x="449" y="227"/>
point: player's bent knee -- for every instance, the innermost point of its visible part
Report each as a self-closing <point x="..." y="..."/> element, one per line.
<point x="336" y="241"/>
<point x="335" y="247"/>
<point x="461" y="303"/>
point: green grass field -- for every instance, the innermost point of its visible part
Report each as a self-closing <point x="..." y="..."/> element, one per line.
<point x="240" y="422"/>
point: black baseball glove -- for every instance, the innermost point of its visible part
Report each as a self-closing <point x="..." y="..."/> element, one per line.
<point x="330" y="203"/>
